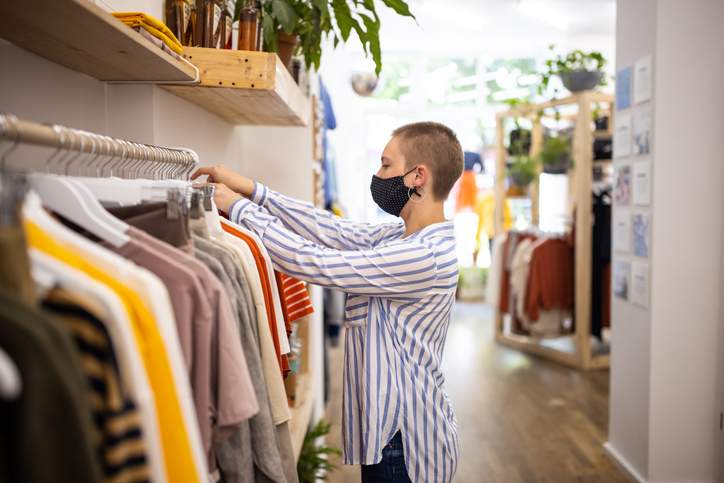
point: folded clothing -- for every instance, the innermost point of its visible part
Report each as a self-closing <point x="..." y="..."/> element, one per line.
<point x="153" y="26"/>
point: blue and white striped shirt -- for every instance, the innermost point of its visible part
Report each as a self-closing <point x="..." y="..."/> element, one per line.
<point x="400" y="293"/>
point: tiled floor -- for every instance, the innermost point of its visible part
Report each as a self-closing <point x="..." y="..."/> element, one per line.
<point x="521" y="419"/>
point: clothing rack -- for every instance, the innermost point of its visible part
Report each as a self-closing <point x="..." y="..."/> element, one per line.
<point x="576" y="351"/>
<point x="108" y="156"/>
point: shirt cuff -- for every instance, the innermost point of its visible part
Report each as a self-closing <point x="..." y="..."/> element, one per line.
<point x="259" y="195"/>
<point x="237" y="209"/>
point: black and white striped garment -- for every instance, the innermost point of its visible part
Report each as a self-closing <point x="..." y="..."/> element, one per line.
<point x="400" y="293"/>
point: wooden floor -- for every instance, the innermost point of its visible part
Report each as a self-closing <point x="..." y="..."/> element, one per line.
<point x="521" y="419"/>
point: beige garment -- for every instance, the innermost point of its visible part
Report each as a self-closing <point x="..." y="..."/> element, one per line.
<point x="519" y="279"/>
<point x="270" y="364"/>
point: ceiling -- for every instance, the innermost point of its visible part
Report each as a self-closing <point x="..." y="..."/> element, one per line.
<point x="500" y="28"/>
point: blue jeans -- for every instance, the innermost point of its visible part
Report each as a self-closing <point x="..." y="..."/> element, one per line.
<point x="392" y="467"/>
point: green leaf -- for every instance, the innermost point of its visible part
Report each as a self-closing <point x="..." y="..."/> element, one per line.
<point x="322" y="6"/>
<point x="373" y="37"/>
<point x="285" y="14"/>
<point x="399" y="6"/>
<point x="343" y="15"/>
<point x="270" y="33"/>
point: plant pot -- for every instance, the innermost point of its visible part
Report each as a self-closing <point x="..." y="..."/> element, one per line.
<point x="520" y="180"/>
<point x="515" y="191"/>
<point x="559" y="166"/>
<point x="519" y="137"/>
<point x="581" y="80"/>
<point x="286" y="44"/>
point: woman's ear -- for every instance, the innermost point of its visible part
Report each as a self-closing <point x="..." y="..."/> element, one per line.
<point x="422" y="176"/>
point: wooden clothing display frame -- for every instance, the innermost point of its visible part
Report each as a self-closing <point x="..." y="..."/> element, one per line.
<point x="575" y="351"/>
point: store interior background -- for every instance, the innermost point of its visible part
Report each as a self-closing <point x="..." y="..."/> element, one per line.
<point x="658" y="409"/>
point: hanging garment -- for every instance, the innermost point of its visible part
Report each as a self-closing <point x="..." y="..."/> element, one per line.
<point x="495" y="274"/>
<point x="52" y="385"/>
<point x="53" y="396"/>
<point x="267" y="289"/>
<point x="211" y="345"/>
<point x="550" y="283"/>
<point x="270" y="363"/>
<point x="467" y="191"/>
<point x="519" y="280"/>
<point x="175" y="427"/>
<point x="390" y="279"/>
<point x="237" y="466"/>
<point x="295" y="300"/>
<point x="269" y="360"/>
<point x="118" y="430"/>
<point x="262" y="440"/>
<point x="115" y="317"/>
<point x="601" y="264"/>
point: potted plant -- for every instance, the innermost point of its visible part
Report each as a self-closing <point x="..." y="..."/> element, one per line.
<point x="313" y="464"/>
<point x="520" y="138"/>
<point x="555" y="156"/>
<point x="578" y="70"/>
<point x="522" y="171"/>
<point x="301" y="25"/>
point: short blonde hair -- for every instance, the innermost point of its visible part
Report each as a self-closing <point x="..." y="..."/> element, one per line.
<point x="436" y="146"/>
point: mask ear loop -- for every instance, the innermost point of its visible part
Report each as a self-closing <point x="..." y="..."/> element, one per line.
<point x="413" y="189"/>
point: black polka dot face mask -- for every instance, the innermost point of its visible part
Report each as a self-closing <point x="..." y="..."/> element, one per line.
<point x="391" y="194"/>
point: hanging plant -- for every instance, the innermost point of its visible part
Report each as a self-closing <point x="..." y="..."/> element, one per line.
<point x="520" y="137"/>
<point x="312" y="21"/>
<point x="555" y="157"/>
<point x="578" y="70"/>
<point x="522" y="171"/>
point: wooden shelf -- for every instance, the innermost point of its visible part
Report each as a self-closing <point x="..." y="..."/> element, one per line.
<point x="87" y="39"/>
<point x="301" y="413"/>
<point x="242" y="87"/>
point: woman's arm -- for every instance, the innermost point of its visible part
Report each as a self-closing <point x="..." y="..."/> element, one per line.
<point x="304" y="219"/>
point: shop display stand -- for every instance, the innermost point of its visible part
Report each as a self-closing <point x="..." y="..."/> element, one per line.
<point x="578" y="350"/>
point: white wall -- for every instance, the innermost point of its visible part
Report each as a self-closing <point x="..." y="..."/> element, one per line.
<point x="686" y="285"/>
<point x="631" y="325"/>
<point x="665" y="361"/>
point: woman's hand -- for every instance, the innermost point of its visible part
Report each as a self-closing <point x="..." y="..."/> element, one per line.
<point x="224" y="197"/>
<point x="225" y="176"/>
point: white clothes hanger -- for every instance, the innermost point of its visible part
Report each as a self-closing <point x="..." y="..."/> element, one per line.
<point x="64" y="198"/>
<point x="85" y="193"/>
<point x="124" y="192"/>
<point x="11" y="382"/>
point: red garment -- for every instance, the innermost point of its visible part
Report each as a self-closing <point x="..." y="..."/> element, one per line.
<point x="266" y="289"/>
<point x="503" y="303"/>
<point x="294" y="298"/>
<point x="550" y="279"/>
